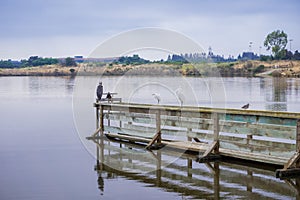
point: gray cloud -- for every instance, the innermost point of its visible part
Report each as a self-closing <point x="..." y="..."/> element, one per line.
<point x="226" y="25"/>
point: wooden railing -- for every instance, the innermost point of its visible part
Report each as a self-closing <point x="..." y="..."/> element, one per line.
<point x="263" y="136"/>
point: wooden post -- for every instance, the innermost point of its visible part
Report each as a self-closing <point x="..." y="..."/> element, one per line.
<point x="190" y="167"/>
<point x="130" y="158"/>
<point x="158" y="168"/>
<point x="249" y="138"/>
<point x="97" y="116"/>
<point x="188" y="137"/>
<point x="298" y="187"/>
<point x="298" y="141"/>
<point x="158" y="126"/>
<point x="97" y="127"/>
<point x="216" y="129"/>
<point x="102" y="151"/>
<point x="250" y="180"/>
<point x="216" y="181"/>
<point x="298" y="136"/>
<point x="108" y="120"/>
<point x="120" y="116"/>
<point x="101" y="120"/>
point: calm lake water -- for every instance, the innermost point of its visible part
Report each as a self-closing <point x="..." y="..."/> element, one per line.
<point x="43" y="157"/>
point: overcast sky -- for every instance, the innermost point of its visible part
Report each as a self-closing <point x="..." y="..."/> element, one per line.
<point x="59" y="28"/>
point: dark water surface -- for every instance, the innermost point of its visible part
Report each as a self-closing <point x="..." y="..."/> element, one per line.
<point x="42" y="157"/>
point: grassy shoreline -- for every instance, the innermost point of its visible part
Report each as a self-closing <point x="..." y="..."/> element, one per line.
<point x="240" y="69"/>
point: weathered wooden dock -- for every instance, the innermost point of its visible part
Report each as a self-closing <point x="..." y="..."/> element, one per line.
<point x="260" y="136"/>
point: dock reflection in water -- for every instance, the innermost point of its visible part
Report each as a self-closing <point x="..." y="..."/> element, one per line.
<point x="185" y="176"/>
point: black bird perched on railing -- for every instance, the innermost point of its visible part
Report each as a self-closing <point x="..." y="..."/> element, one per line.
<point x="99" y="91"/>
<point x="245" y="106"/>
<point x="108" y="97"/>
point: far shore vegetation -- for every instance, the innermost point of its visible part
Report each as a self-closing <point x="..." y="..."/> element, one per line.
<point x="281" y="62"/>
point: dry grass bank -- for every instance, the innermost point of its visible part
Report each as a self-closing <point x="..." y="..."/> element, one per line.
<point x="245" y="68"/>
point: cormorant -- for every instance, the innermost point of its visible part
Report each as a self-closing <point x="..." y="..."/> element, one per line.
<point x="108" y="96"/>
<point x="99" y="91"/>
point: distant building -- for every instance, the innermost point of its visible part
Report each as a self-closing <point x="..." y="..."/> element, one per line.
<point x="78" y="59"/>
<point x="102" y="60"/>
<point x="248" y="56"/>
<point x="81" y="59"/>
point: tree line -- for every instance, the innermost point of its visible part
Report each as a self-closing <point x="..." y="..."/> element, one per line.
<point x="33" y="61"/>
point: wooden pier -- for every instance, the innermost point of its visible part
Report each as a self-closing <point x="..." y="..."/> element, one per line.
<point x="260" y="136"/>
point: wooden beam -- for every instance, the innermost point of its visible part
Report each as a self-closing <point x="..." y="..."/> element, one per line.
<point x="211" y="148"/>
<point x="158" y="127"/>
<point x="298" y="137"/>
<point x="288" y="173"/>
<point x="197" y="140"/>
<point x="154" y="139"/>
<point x="96" y="132"/>
<point x="188" y="137"/>
<point x="97" y="116"/>
<point x="207" y="110"/>
<point x="216" y="130"/>
<point x="111" y="100"/>
<point x="298" y="142"/>
<point x="292" y="161"/>
<point x="101" y="120"/>
<point x="210" y="167"/>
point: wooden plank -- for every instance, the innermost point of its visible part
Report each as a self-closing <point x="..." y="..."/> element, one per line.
<point x="129" y="137"/>
<point x="259" y="149"/>
<point x="183" y="109"/>
<point x="193" y="122"/>
<point x="274" y="131"/>
<point x="269" y="130"/>
<point x="197" y="147"/>
<point x="277" y="160"/>
<point x="275" y="144"/>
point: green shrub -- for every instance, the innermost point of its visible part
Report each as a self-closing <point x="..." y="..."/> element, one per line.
<point x="259" y="69"/>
